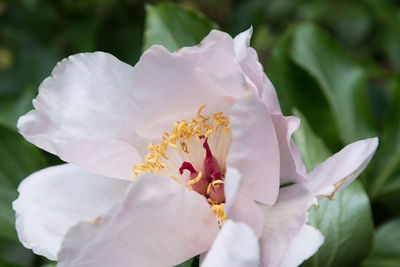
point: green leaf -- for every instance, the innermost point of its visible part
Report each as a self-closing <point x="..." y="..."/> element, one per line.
<point x="311" y="146"/>
<point x="313" y="73"/>
<point x="18" y="159"/>
<point x="341" y="79"/>
<point x="50" y="264"/>
<point x="388" y="37"/>
<point x="174" y="26"/>
<point x="11" y="108"/>
<point x="7" y="264"/>
<point x="13" y="254"/>
<point x="387" y="240"/>
<point x="386" y="248"/>
<point x="296" y="88"/>
<point x="346" y="222"/>
<point x="381" y="263"/>
<point x="19" y="85"/>
<point x="385" y="170"/>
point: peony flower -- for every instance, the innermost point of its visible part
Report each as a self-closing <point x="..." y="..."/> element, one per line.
<point x="180" y="155"/>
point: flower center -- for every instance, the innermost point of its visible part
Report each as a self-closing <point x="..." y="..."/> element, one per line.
<point x="194" y="155"/>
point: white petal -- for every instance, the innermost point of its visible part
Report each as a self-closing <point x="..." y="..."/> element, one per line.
<point x="306" y="243"/>
<point x="84" y="114"/>
<point x="283" y="222"/>
<point x="292" y="167"/>
<point x="242" y="43"/>
<point x="238" y="207"/>
<point x="235" y="246"/>
<point x="341" y="169"/>
<point x="246" y="210"/>
<point x="202" y="257"/>
<point x="173" y="86"/>
<point x="232" y="186"/>
<point x="158" y="223"/>
<point x="254" y="150"/>
<point x="247" y="59"/>
<point x="54" y="199"/>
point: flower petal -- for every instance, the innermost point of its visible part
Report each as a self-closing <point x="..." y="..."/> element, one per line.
<point x="239" y="207"/>
<point x="54" y="199"/>
<point x="84" y="114"/>
<point x="306" y="243"/>
<point x="254" y="150"/>
<point x="158" y="223"/>
<point x="292" y="167"/>
<point x="247" y="211"/>
<point x="283" y="222"/>
<point x="247" y="59"/>
<point x="179" y="83"/>
<point x="341" y="169"/>
<point x="236" y="245"/>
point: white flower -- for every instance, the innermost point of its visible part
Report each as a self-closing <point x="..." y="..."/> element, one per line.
<point x="211" y="180"/>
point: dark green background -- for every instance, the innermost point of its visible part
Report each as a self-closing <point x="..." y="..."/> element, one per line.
<point x="334" y="63"/>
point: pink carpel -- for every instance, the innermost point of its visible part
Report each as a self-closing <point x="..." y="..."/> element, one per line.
<point x="202" y="185"/>
<point x="217" y="193"/>
<point x="210" y="163"/>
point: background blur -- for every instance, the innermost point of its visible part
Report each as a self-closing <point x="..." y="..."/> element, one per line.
<point x="334" y="63"/>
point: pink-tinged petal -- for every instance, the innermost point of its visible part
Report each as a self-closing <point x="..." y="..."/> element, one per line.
<point x="247" y="211"/>
<point x="247" y="59"/>
<point x="239" y="207"/>
<point x="235" y="246"/>
<point x="292" y="167"/>
<point x="283" y="222"/>
<point x="233" y="183"/>
<point x="54" y="199"/>
<point x="254" y="150"/>
<point x="341" y="169"/>
<point x="173" y="86"/>
<point x="242" y="44"/>
<point x="84" y="114"/>
<point x="306" y="244"/>
<point x="158" y="223"/>
<point x="270" y="97"/>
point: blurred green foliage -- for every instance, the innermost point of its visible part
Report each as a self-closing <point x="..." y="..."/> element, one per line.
<point x="334" y="63"/>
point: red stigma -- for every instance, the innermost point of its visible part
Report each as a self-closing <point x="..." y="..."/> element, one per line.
<point x="207" y="148"/>
<point x="216" y="176"/>
<point x="211" y="173"/>
<point x="200" y="186"/>
<point x="210" y="163"/>
<point x="187" y="166"/>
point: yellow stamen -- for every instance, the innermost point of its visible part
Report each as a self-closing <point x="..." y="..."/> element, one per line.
<point x="195" y="180"/>
<point x="183" y="139"/>
<point x="218" y="210"/>
<point x="214" y="184"/>
<point x="181" y="134"/>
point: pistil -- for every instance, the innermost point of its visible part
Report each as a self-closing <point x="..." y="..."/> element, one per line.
<point x="210" y="163"/>
<point x="211" y="183"/>
<point x="199" y="184"/>
<point x="215" y="189"/>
